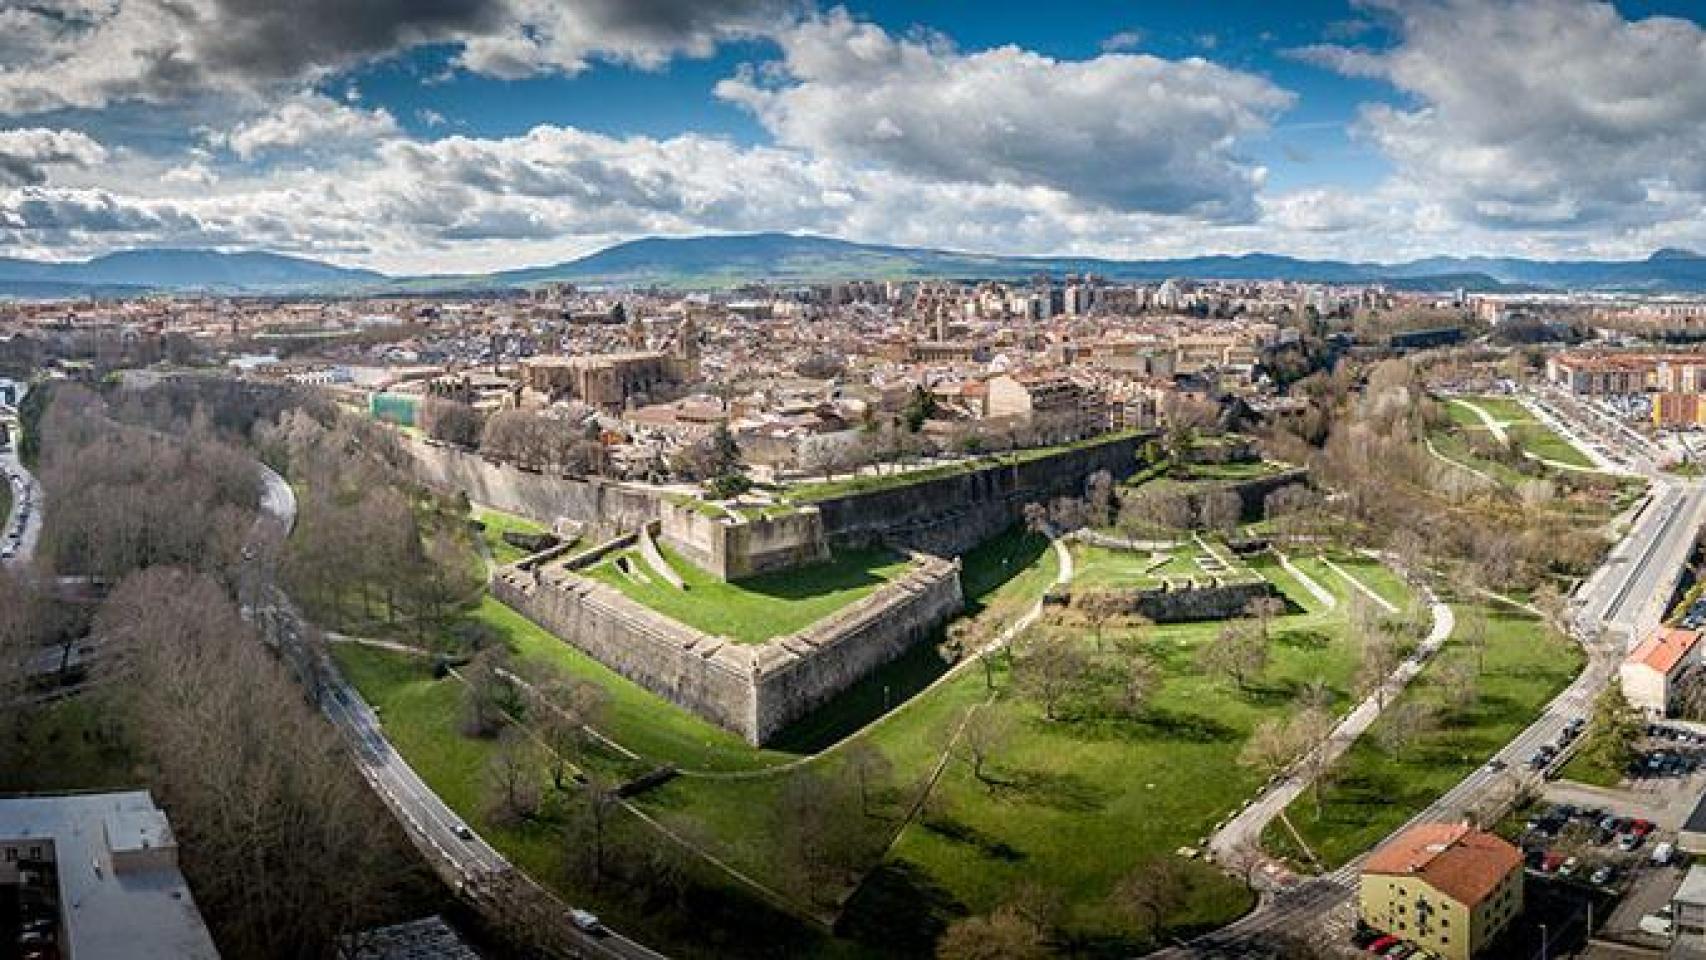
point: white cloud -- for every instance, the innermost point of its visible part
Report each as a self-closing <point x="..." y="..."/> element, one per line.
<point x="89" y="53"/>
<point x="1128" y="132"/>
<point x="311" y="122"/>
<point x="26" y="153"/>
<point x="1542" y="115"/>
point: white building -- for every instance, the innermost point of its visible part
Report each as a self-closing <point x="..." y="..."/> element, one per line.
<point x="105" y="867"/>
<point x="1652" y="670"/>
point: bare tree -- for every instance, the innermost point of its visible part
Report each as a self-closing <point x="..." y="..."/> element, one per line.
<point x="1152" y="892"/>
<point x="1403" y="724"/>
<point x="987" y="732"/>
<point x="1238" y="653"/>
<point x="1005" y="934"/>
<point x="514" y="777"/>
<point x="1052" y="664"/>
<point x="870" y="767"/>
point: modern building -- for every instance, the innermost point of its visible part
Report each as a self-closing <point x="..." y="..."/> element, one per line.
<point x="1652" y="673"/>
<point x="1688" y="909"/>
<point x="1445" y="887"/>
<point x="1691" y="839"/>
<point x="103" y="867"/>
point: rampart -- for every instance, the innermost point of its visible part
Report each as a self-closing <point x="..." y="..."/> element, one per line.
<point x="755" y="690"/>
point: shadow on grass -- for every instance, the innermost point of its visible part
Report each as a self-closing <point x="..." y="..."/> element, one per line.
<point x="969" y="836"/>
<point x="847" y="570"/>
<point x="899" y="910"/>
<point x="889" y="686"/>
<point x="1066" y="792"/>
<point x="1172" y="725"/>
<point x="1303" y="639"/>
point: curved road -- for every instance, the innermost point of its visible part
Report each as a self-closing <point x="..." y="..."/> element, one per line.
<point x="484" y="876"/>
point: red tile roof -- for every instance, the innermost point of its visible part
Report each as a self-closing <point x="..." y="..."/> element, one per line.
<point x="1665" y="649"/>
<point x="1459" y="862"/>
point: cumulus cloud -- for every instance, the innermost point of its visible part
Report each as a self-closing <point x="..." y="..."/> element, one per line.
<point x="308" y="122"/>
<point x="1541" y="114"/>
<point x="88" y="53"/>
<point x="26" y="153"/>
<point x="1128" y="132"/>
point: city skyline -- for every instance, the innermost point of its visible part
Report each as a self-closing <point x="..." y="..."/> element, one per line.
<point x="477" y="135"/>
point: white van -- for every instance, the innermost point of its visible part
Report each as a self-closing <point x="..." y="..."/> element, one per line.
<point x="1662" y="853"/>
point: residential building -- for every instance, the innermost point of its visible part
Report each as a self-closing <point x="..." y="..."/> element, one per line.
<point x="1652" y="672"/>
<point x="1691" y="839"/>
<point x="1446" y="887"/>
<point x="1688" y="909"/>
<point x="105" y="866"/>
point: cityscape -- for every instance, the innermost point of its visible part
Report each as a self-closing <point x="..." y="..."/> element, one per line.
<point x="757" y="479"/>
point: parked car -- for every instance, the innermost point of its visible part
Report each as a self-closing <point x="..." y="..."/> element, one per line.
<point x="1381" y="944"/>
<point x="1568" y="867"/>
<point x="1602" y="875"/>
<point x="1662" y="853"/>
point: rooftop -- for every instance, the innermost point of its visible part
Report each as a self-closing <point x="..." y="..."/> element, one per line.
<point x="1665" y="648"/>
<point x="138" y="908"/>
<point x="1453" y="858"/>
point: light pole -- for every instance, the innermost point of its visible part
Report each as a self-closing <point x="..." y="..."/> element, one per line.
<point x="1543" y="941"/>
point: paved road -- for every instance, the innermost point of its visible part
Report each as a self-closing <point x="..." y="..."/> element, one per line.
<point x="25" y="489"/>
<point x="439" y="832"/>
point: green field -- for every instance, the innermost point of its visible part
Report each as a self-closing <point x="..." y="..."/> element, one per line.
<point x="1374" y="792"/>
<point x="1103" y="568"/>
<point x="1546" y="444"/>
<point x="1525" y="431"/>
<point x="758" y="608"/>
<point x="497" y="523"/>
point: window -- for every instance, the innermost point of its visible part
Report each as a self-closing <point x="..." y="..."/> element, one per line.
<point x="35" y="853"/>
<point x="11" y="854"/>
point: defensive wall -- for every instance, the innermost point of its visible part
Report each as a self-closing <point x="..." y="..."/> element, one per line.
<point x="755" y="690"/>
<point x="1221" y="600"/>
<point x="950" y="515"/>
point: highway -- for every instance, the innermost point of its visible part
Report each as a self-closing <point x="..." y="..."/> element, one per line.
<point x="482" y="874"/>
<point x="1622" y="601"/>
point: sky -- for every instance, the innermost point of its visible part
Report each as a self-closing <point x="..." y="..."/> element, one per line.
<point x="417" y="136"/>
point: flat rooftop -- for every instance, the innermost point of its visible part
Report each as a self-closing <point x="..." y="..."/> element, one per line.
<point x="143" y="910"/>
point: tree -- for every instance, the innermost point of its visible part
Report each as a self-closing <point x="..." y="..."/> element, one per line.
<point x="571" y="710"/>
<point x="1471" y="634"/>
<point x="1403" y="724"/>
<point x="447" y="421"/>
<point x="1378" y="658"/>
<point x="870" y="768"/>
<point x="588" y="837"/>
<point x="1153" y="891"/>
<point x="1099" y="498"/>
<point x="970" y="636"/>
<point x="1052" y="665"/>
<point x="920" y="406"/>
<point x="1611" y="732"/>
<point x="1271" y="748"/>
<point x="1036" y="518"/>
<point x="1096" y="609"/>
<point x="1238" y="654"/>
<point x="513" y="774"/>
<point x="1264" y="610"/>
<point x="1005" y="934"/>
<point x="1142" y="681"/>
<point x="1460" y="679"/>
<point x="1221" y="510"/>
<point x="488" y="699"/>
<point x="987" y="732"/>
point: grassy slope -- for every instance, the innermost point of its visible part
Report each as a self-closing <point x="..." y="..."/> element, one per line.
<point x="757" y="608"/>
<point x="1376" y="792"/>
<point x="497" y="524"/>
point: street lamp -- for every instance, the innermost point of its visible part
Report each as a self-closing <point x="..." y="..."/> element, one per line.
<point x="1543" y="941"/>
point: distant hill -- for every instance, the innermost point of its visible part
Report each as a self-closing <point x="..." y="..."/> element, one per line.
<point x="722" y="262"/>
<point x="725" y="261"/>
<point x="170" y="269"/>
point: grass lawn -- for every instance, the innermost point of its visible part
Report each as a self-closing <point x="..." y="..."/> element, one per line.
<point x="1585" y="769"/>
<point x="1375" y="792"/>
<point x="1102" y="568"/>
<point x="758" y="608"/>
<point x="1543" y="442"/>
<point x="497" y="523"/>
<point x="63" y="745"/>
<point x="1503" y="409"/>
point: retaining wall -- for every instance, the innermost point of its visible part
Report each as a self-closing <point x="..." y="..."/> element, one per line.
<point x="950" y="515"/>
<point x="755" y="690"/>
<point x="1221" y="601"/>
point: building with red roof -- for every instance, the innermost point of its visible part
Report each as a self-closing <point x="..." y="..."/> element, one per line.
<point x="1446" y="887"/>
<point x="1653" y="671"/>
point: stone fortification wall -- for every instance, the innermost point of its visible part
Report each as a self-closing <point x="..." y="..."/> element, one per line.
<point x="1221" y="601"/>
<point x="602" y="506"/>
<point x="950" y="515"/>
<point x="801" y="672"/>
<point x="731" y="548"/>
<point x="755" y="690"/>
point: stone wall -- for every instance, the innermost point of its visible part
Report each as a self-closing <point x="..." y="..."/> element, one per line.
<point x="803" y="671"/>
<point x="1222" y="601"/>
<point x="730" y="548"/>
<point x="755" y="690"/>
<point x="604" y="507"/>
<point x="950" y="515"/>
<point x="1252" y="493"/>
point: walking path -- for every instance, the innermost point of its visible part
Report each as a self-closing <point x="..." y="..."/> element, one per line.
<point x="1322" y="595"/>
<point x="1494" y="425"/>
<point x="1241" y="835"/>
<point x="1428" y="442"/>
<point x="1363" y="588"/>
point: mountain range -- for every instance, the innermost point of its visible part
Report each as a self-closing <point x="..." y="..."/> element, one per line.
<point x="722" y="262"/>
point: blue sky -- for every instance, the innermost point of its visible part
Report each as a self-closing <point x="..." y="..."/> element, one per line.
<point x="473" y="134"/>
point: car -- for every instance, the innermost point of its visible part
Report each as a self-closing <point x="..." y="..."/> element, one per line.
<point x="1662" y="854"/>
<point x="1401" y="951"/>
<point x="1381" y="944"/>
<point x="462" y="832"/>
<point x="1496" y="764"/>
<point x="1628" y="842"/>
<point x="1641" y="827"/>
<point x="587" y="922"/>
<point x="1602" y="875"/>
<point x="1568" y="867"/>
<point x="1551" y="862"/>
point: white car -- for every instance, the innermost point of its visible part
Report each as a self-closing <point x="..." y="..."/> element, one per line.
<point x="587" y="922"/>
